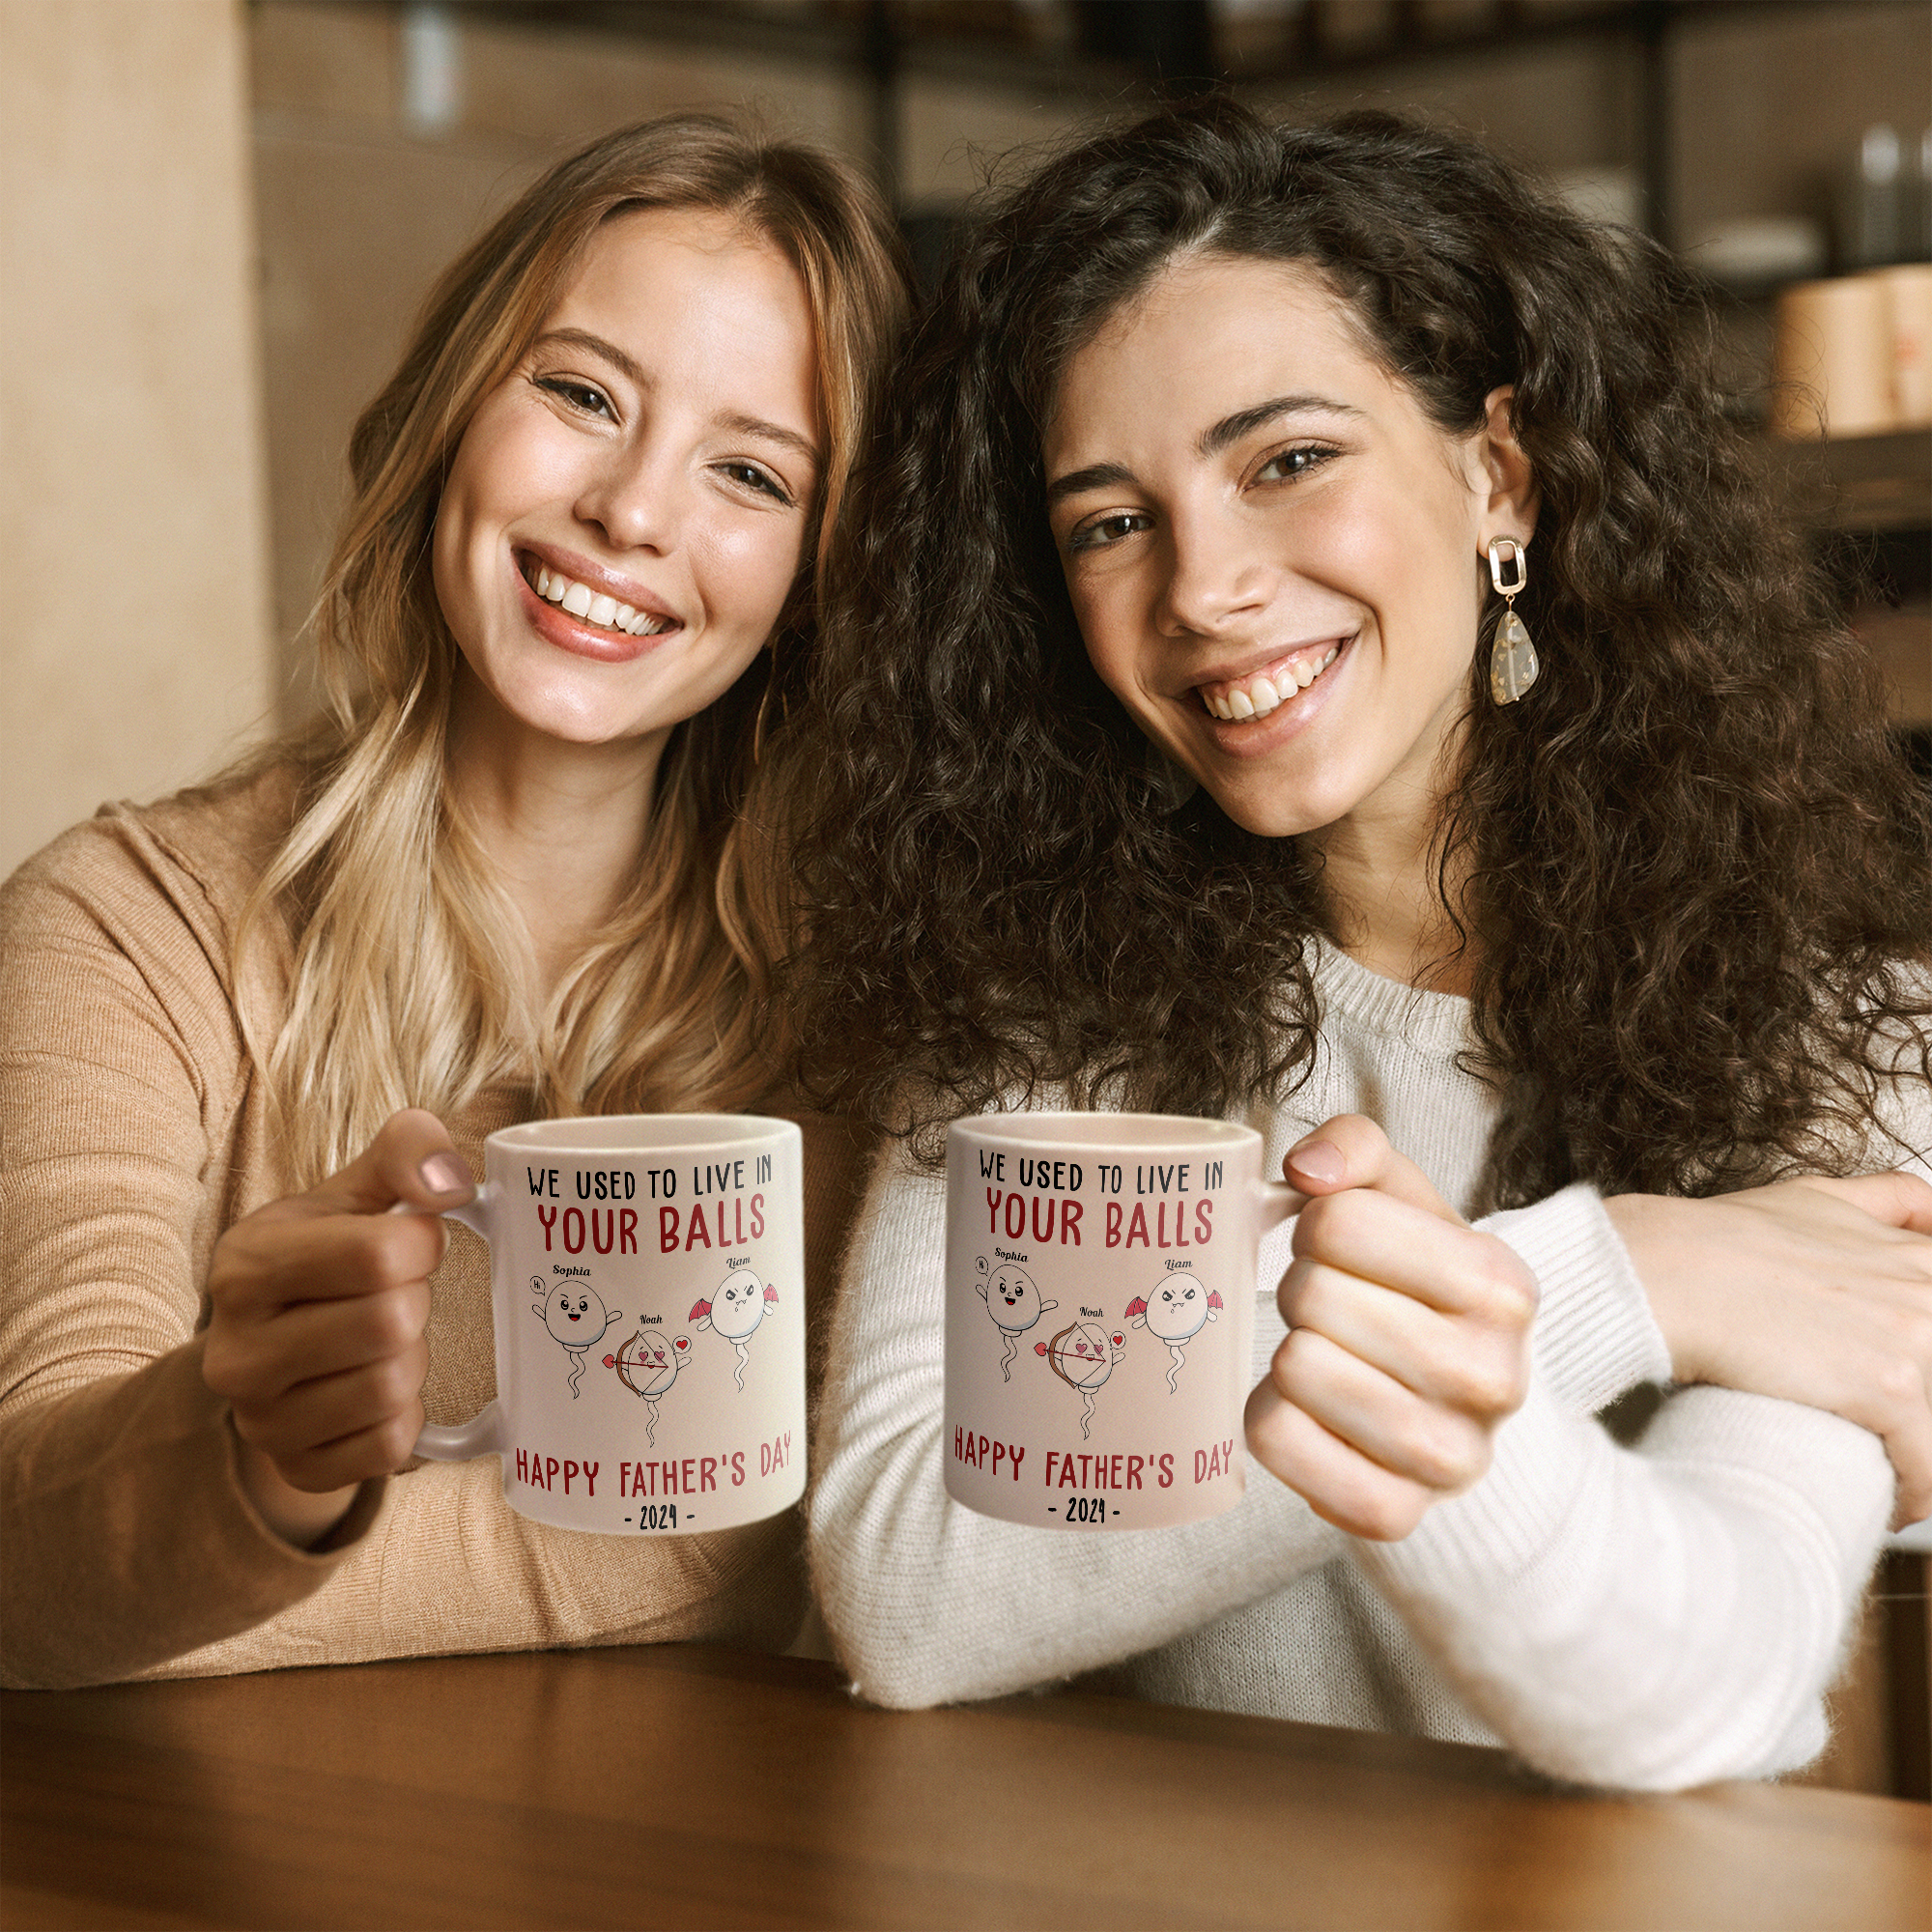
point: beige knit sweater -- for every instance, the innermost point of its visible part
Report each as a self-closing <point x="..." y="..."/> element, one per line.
<point x="133" y="1131"/>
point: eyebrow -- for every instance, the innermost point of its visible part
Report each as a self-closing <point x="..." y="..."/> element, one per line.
<point x="633" y="372"/>
<point x="1229" y="430"/>
<point x="1095" y="476"/>
<point x="771" y="432"/>
<point x="1258" y="415"/>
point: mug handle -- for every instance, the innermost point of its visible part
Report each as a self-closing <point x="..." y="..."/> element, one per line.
<point x="483" y="1434"/>
<point x="1279" y="1203"/>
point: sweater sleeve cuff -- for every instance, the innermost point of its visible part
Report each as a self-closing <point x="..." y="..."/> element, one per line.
<point x="129" y="1539"/>
<point x="1506" y="1526"/>
<point x="1814" y="1470"/>
<point x="364" y="1508"/>
<point x="1595" y="1336"/>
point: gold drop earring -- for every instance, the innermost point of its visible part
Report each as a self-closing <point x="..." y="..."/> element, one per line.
<point x="1513" y="665"/>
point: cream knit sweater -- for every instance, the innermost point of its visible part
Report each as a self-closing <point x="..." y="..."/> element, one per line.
<point x="1649" y="1618"/>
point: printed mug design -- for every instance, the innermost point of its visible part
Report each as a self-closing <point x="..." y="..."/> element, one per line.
<point x="605" y="1228"/>
<point x="1083" y="1356"/>
<point x="647" y="1365"/>
<point x="1178" y="1310"/>
<point x="735" y="1312"/>
<point x="574" y="1313"/>
<point x="1070" y="1236"/>
<point x="1014" y="1302"/>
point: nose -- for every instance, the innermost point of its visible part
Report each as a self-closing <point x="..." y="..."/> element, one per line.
<point x="1218" y="576"/>
<point x="637" y="497"/>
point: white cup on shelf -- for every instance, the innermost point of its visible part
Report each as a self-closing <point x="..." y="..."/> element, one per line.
<point x="1833" y="360"/>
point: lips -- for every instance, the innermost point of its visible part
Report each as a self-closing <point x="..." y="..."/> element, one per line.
<point x="1257" y="693"/>
<point x="1248" y="738"/>
<point x="577" y="580"/>
<point x="596" y="608"/>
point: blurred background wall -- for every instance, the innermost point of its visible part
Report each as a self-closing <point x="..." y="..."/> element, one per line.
<point x="138" y="647"/>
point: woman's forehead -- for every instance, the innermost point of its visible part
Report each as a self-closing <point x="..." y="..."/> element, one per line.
<point x="698" y="294"/>
<point x="1210" y="336"/>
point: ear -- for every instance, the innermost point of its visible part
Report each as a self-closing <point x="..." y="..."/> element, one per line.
<point x="1512" y="493"/>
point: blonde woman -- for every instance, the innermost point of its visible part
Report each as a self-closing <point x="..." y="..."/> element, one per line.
<point x="517" y="871"/>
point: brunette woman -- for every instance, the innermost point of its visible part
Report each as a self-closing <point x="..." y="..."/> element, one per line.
<point x="1186" y="751"/>
<point x="520" y="868"/>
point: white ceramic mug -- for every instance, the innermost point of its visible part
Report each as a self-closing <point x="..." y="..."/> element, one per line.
<point x="1101" y="1279"/>
<point x="647" y="1285"/>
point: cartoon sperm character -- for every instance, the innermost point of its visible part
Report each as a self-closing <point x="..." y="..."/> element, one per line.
<point x="1180" y="1309"/>
<point x="1015" y="1304"/>
<point x="735" y="1311"/>
<point x="574" y="1313"/>
<point x="1083" y="1358"/>
<point x="647" y="1365"/>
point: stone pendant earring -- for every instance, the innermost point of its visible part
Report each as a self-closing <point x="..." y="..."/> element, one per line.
<point x="1513" y="665"/>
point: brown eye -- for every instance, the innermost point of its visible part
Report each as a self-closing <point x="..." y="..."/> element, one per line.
<point x="1105" y="532"/>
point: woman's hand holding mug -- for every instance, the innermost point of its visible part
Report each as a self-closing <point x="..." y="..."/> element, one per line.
<point x="315" y="1336"/>
<point x="690" y="1222"/>
<point x="1407" y="1345"/>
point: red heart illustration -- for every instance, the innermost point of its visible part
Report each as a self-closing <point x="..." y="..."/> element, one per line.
<point x="682" y="1342"/>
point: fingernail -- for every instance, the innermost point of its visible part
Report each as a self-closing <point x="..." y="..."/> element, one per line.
<point x="1318" y="1160"/>
<point x="444" y="1174"/>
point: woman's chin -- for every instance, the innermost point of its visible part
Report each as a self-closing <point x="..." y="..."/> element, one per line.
<point x="1271" y="813"/>
<point x="1274" y="796"/>
<point x="554" y="714"/>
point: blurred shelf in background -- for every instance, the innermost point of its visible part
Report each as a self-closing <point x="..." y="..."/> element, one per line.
<point x="1869" y="500"/>
<point x="1863" y="483"/>
<point x="1673" y="61"/>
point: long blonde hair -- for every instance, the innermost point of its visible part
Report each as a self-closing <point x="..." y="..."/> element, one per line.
<point x="413" y="981"/>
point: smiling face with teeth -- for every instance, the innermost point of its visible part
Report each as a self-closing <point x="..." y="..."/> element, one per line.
<point x="1272" y="551"/>
<point x="625" y="514"/>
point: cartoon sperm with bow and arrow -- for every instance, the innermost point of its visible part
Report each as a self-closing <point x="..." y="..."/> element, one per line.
<point x="647" y="1365"/>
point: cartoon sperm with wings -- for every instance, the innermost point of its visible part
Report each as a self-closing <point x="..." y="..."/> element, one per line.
<point x="647" y="1365"/>
<point x="735" y="1311"/>
<point x="574" y="1311"/>
<point x="1083" y="1358"/>
<point x="1181" y="1307"/>
<point x="1015" y="1304"/>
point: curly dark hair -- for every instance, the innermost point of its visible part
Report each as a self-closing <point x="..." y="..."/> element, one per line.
<point x="1697" y="874"/>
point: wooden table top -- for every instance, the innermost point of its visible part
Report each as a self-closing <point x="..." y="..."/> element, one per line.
<point x="700" y="1787"/>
